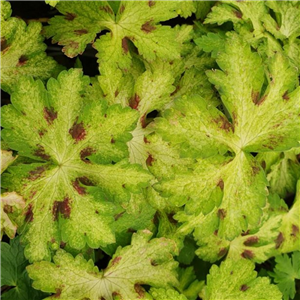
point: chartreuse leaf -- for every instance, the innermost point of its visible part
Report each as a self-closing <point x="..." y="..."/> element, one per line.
<point x="22" y="50"/>
<point x="237" y="280"/>
<point x="145" y="261"/>
<point x="14" y="275"/>
<point x="7" y="159"/>
<point x="82" y="21"/>
<point x="166" y="294"/>
<point x="78" y="143"/>
<point x="286" y="271"/>
<point x="231" y="188"/>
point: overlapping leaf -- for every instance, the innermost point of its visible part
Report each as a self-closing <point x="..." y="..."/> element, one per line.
<point x="142" y="262"/>
<point x="22" y="50"/>
<point x="80" y="148"/>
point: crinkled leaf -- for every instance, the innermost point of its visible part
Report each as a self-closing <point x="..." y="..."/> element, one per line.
<point x="237" y="280"/>
<point x="286" y="271"/>
<point x="74" y="278"/>
<point x="80" y="143"/>
<point x="22" y="51"/>
<point x="7" y="159"/>
<point x="166" y="294"/>
<point x="12" y="204"/>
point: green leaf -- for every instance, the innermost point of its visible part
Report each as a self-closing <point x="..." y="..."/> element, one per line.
<point x="7" y="159"/>
<point x="166" y="294"/>
<point x="74" y="278"/>
<point x="75" y="139"/>
<point x="212" y="42"/>
<point x="22" y="51"/>
<point x="14" y="274"/>
<point x="286" y="271"/>
<point x="237" y="280"/>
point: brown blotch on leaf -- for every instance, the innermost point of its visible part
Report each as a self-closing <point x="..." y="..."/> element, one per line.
<point x="263" y="164"/>
<point x="224" y="123"/>
<point x="62" y="245"/>
<point x="149" y="160"/>
<point x="80" y="189"/>
<point x="112" y="141"/>
<point x="40" y="152"/>
<point x="116" y="93"/>
<point x="116" y="260"/>
<point x="247" y="254"/>
<point x="222" y="213"/>
<point x="122" y="8"/>
<point x="153" y="263"/>
<point x="148" y="27"/>
<point x="22" y="60"/>
<point x="216" y="232"/>
<point x="4" y="45"/>
<point x="261" y="100"/>
<point x="80" y="31"/>
<point x="222" y="252"/>
<point x="151" y="3"/>
<point x="255" y="97"/>
<point x="63" y="208"/>
<point x="134" y="101"/>
<point x="29" y="214"/>
<point x="295" y="230"/>
<point x="252" y="240"/>
<point x="77" y="131"/>
<point x="49" y="115"/>
<point x="143" y="121"/>
<point x="238" y="14"/>
<point x="8" y="209"/>
<point x="115" y="294"/>
<point x="221" y="184"/>
<point x="285" y="96"/>
<point x="139" y="290"/>
<point x="42" y="132"/>
<point x="245" y="233"/>
<point x="84" y="153"/>
<point x="70" y="16"/>
<point x="107" y="9"/>
<point x="244" y="287"/>
<point x="57" y="294"/>
<point x="279" y="240"/>
<point x="146" y="141"/>
<point x="255" y="170"/>
<point x="118" y="216"/>
<point x="36" y="173"/>
<point x="102" y="298"/>
<point x="84" y="180"/>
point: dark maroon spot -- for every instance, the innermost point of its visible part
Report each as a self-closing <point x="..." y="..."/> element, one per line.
<point x="84" y="153"/>
<point x="268" y="146"/>
<point x="255" y="97"/>
<point x="40" y="152"/>
<point x="149" y="160"/>
<point x="231" y="272"/>
<point x="134" y="101"/>
<point x="245" y="233"/>
<point x="285" y="96"/>
<point x="4" y="44"/>
<point x="148" y="27"/>
<point x="36" y="173"/>
<point x="222" y="252"/>
<point x="116" y="260"/>
<point x="50" y="115"/>
<point x="146" y="141"/>
<point x="62" y="244"/>
<point x="263" y="164"/>
<point x="116" y="294"/>
<point x="57" y="294"/>
<point x="247" y="254"/>
<point x="224" y="123"/>
<point x="151" y="3"/>
<point x="107" y="9"/>
<point x="244" y="287"/>
<point x="22" y="61"/>
<point x="112" y="141"/>
<point x="84" y="180"/>
<point x="252" y="240"/>
<point x="65" y="208"/>
<point x="222" y="213"/>
<point x="105" y="115"/>
<point x="97" y="212"/>
<point x="125" y="45"/>
<point x="80" y="31"/>
<point x="118" y="216"/>
<point x="77" y="131"/>
<point x="29" y="214"/>
<point x="279" y="240"/>
<point x="139" y="290"/>
<point x="42" y="132"/>
<point x="171" y="219"/>
<point x="116" y="93"/>
<point x="295" y="230"/>
<point x="255" y="170"/>
<point x="8" y="209"/>
<point x="221" y="184"/>
<point x="32" y="194"/>
<point x="102" y="298"/>
<point x="80" y="189"/>
<point x="70" y="16"/>
<point x="238" y="14"/>
<point x="153" y="263"/>
<point x="55" y="210"/>
<point x="122" y="8"/>
<point x="216" y="232"/>
<point x="143" y="121"/>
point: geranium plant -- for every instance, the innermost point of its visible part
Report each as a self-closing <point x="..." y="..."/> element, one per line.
<point x="173" y="172"/>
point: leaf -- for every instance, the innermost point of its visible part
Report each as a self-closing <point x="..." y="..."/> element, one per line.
<point x="12" y="204"/>
<point x="14" y="274"/>
<point x="237" y="280"/>
<point x="74" y="278"/>
<point x="286" y="272"/>
<point x="166" y="294"/>
<point x="22" y="51"/>
<point x="7" y="159"/>
<point x="78" y="144"/>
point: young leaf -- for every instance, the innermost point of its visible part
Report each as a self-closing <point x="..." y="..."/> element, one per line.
<point x="80" y="143"/>
<point x="237" y="280"/>
<point x="22" y="50"/>
<point x="75" y="278"/>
